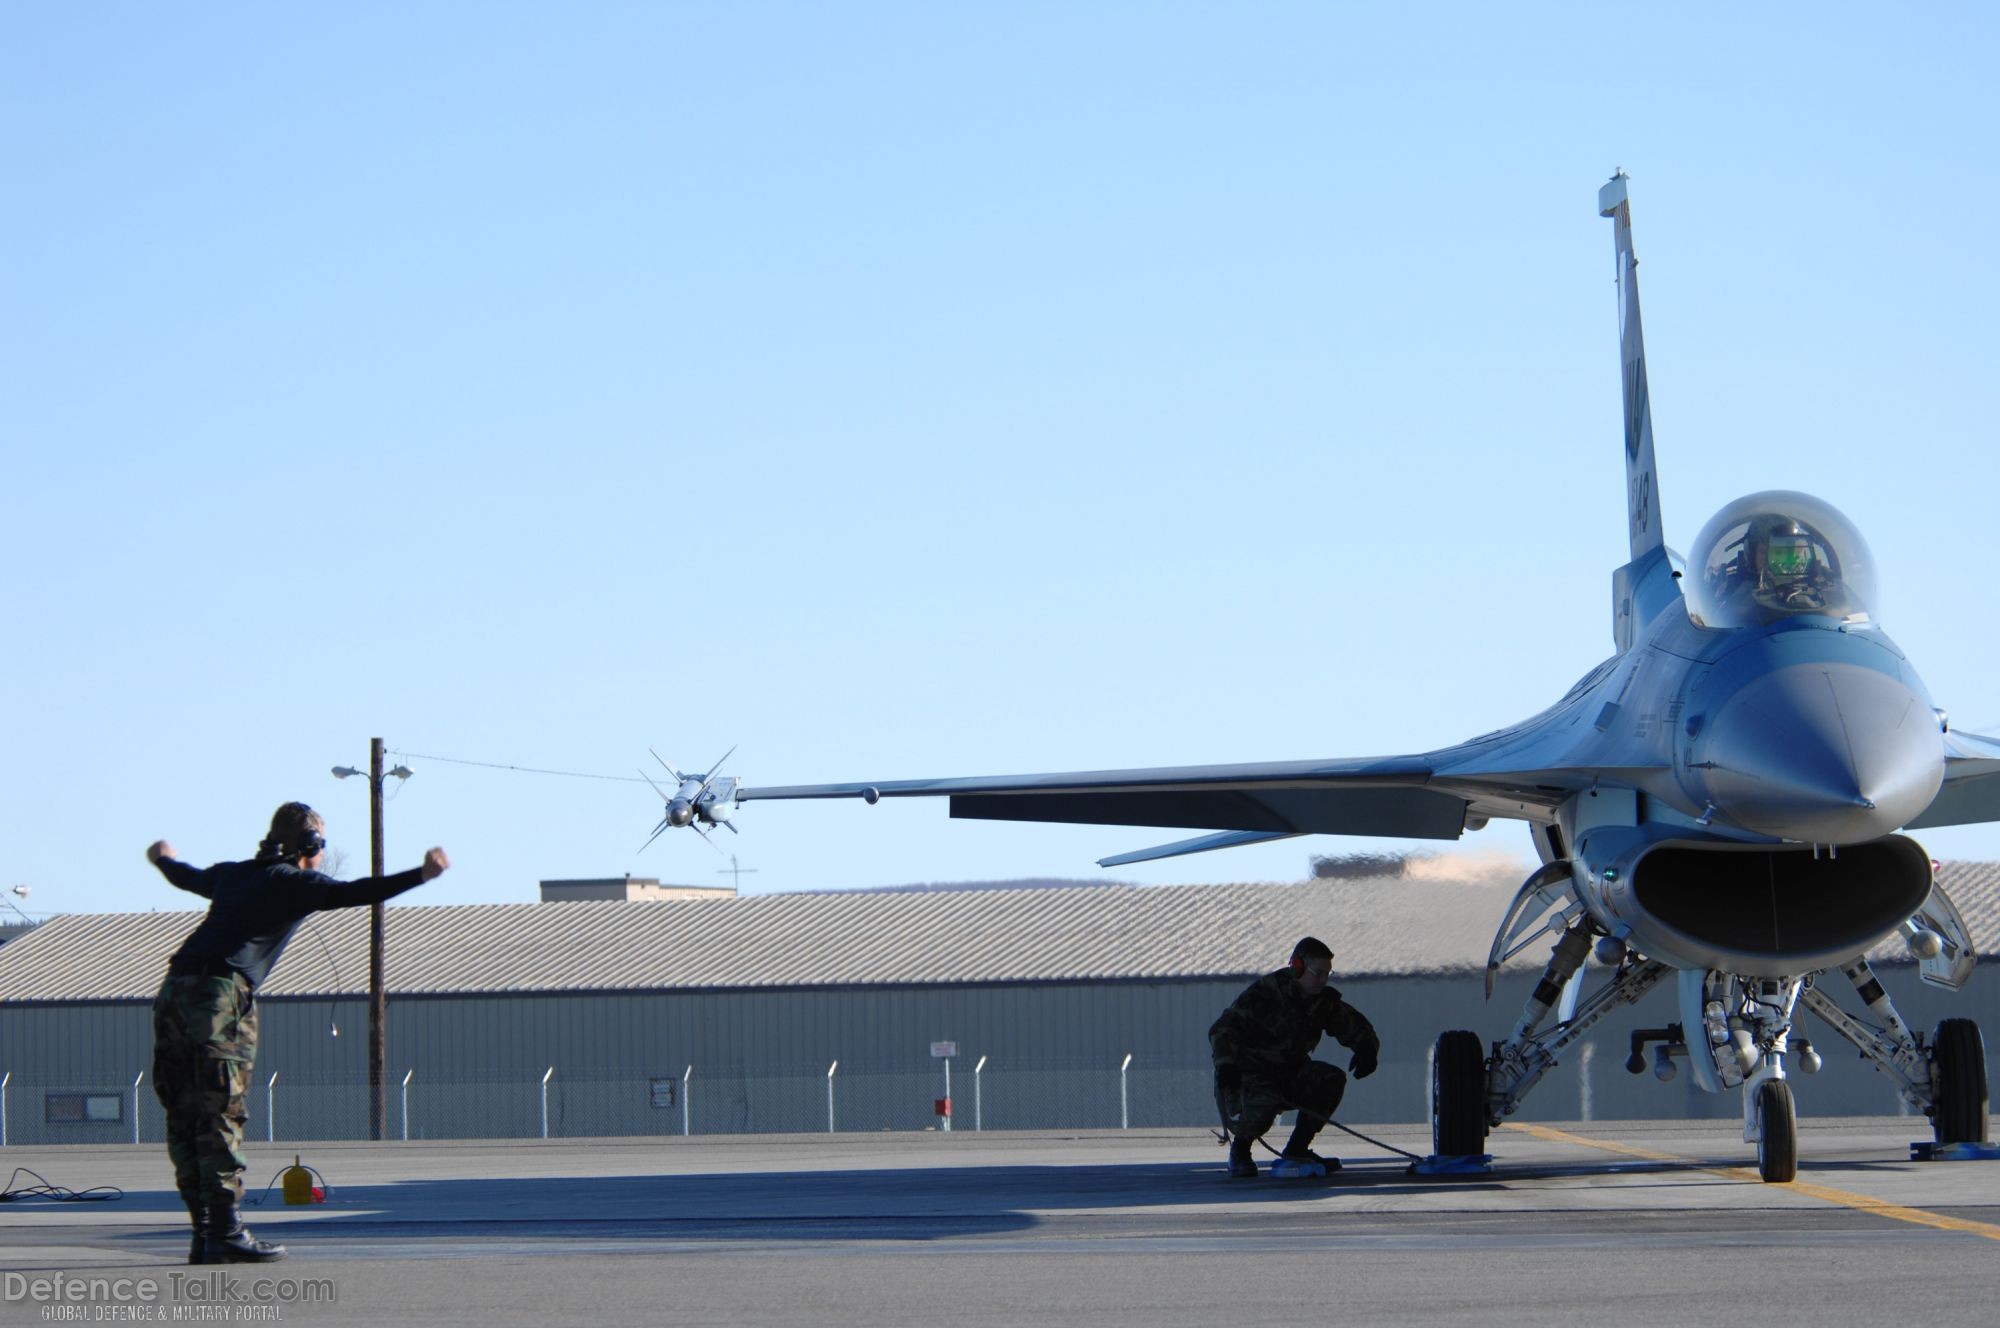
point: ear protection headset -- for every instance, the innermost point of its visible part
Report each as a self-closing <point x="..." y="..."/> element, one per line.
<point x="311" y="843"/>
<point x="1316" y="946"/>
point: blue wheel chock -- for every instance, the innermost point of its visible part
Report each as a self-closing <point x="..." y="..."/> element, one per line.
<point x="1926" y="1151"/>
<point x="1453" y="1164"/>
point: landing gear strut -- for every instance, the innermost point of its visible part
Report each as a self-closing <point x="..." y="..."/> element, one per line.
<point x="1945" y="1078"/>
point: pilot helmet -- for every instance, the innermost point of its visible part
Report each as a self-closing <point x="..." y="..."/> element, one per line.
<point x="1785" y="553"/>
<point x="1775" y="555"/>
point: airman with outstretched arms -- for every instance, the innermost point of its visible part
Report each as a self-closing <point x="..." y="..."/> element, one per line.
<point x="205" y="1016"/>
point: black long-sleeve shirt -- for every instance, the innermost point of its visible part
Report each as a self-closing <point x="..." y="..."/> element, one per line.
<point x="254" y="907"/>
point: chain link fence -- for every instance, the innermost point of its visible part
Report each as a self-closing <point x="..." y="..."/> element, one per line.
<point x="647" y="1100"/>
<point x="985" y="1094"/>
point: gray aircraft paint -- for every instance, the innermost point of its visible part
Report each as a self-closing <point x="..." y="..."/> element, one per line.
<point x="1725" y="789"/>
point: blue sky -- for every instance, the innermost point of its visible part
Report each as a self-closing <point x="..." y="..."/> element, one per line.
<point x="910" y="390"/>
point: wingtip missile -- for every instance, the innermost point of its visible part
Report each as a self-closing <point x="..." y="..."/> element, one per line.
<point x="718" y="765"/>
<point x="658" y="830"/>
<point x="697" y="801"/>
<point x="678" y="776"/>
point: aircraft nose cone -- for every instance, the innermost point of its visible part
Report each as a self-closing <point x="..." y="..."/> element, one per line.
<point x="1824" y="753"/>
<point x="679" y="812"/>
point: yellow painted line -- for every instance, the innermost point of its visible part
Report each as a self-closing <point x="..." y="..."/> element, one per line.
<point x="1607" y="1145"/>
<point x="1864" y="1203"/>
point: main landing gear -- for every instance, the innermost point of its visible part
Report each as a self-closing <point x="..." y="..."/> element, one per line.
<point x="1958" y="1083"/>
<point x="1944" y="1076"/>
<point x="1458" y="1096"/>
<point x="1736" y="1032"/>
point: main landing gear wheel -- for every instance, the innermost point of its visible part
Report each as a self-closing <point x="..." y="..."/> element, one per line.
<point x="1958" y="1059"/>
<point x="1458" y="1096"/>
<point x="1777" y="1133"/>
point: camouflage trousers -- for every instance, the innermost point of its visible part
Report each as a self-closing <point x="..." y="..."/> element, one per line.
<point x="1315" y="1086"/>
<point x="204" y="1041"/>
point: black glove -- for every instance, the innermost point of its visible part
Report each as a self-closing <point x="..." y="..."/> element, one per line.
<point x="1228" y="1078"/>
<point x="1363" y="1062"/>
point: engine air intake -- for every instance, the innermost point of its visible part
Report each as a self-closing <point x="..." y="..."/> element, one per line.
<point x="1773" y="902"/>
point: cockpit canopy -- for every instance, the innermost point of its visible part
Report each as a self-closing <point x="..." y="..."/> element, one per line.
<point x="1778" y="554"/>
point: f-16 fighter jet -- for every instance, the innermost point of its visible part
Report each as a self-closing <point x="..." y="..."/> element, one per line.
<point x="1721" y="806"/>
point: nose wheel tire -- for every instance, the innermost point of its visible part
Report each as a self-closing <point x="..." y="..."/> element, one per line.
<point x="1458" y="1096"/>
<point x="1777" y="1133"/>
<point x="1958" y="1062"/>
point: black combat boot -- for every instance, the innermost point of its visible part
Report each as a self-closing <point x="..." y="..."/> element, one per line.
<point x="1298" y="1148"/>
<point x="1242" y="1166"/>
<point x="198" y="1215"/>
<point x="226" y="1240"/>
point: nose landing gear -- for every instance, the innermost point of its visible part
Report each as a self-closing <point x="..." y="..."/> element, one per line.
<point x="1777" y="1133"/>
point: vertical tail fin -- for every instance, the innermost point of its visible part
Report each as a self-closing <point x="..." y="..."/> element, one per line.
<point x="1642" y="490"/>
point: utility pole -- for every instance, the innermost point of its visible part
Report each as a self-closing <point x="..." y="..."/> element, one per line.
<point x="378" y="998"/>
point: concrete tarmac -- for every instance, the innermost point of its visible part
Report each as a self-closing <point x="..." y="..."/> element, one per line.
<point x="1576" y="1223"/>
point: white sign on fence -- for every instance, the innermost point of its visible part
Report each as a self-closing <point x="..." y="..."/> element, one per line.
<point x="943" y="1050"/>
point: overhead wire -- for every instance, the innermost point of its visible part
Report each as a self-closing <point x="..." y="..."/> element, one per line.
<point x="521" y="769"/>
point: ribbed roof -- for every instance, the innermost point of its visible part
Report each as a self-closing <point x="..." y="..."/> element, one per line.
<point x="1386" y="926"/>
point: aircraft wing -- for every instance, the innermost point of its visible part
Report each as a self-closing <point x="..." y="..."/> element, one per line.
<point x="1399" y="797"/>
<point x="1971" y="792"/>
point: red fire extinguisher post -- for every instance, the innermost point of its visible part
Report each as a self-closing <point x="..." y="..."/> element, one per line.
<point x="944" y="1051"/>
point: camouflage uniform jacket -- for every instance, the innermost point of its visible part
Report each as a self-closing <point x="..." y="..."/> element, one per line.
<point x="1271" y="1029"/>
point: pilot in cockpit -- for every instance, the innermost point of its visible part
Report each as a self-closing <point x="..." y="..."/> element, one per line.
<point x="1793" y="578"/>
<point x="1775" y="555"/>
<point x="1779" y="566"/>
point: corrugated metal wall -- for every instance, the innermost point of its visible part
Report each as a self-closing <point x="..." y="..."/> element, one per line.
<point x="760" y="1059"/>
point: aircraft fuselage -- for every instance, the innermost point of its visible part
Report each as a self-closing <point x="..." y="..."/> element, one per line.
<point x="1759" y="775"/>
